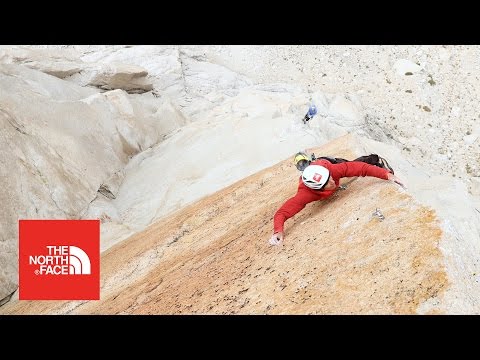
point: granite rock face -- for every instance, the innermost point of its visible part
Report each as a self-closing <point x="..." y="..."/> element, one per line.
<point x="218" y="115"/>
<point x="67" y="64"/>
<point x="213" y="257"/>
<point x="60" y="142"/>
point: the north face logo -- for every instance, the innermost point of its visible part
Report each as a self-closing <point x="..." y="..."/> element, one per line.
<point x="317" y="177"/>
<point x="59" y="259"/>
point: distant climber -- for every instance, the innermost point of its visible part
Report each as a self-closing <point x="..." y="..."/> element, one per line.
<point x="321" y="178"/>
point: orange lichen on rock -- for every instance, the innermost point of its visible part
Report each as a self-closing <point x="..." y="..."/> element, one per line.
<point x="213" y="257"/>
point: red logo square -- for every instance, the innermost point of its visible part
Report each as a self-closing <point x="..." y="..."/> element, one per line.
<point x="59" y="259"/>
<point x="317" y="177"/>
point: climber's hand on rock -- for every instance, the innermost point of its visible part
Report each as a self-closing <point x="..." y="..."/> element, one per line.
<point x="276" y="238"/>
<point x="396" y="180"/>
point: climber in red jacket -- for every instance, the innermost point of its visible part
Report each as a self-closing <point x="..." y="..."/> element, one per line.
<point x="319" y="180"/>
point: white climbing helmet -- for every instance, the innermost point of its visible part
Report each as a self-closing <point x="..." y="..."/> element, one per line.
<point x="315" y="176"/>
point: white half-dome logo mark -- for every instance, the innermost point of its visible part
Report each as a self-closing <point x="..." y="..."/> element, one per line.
<point x="79" y="262"/>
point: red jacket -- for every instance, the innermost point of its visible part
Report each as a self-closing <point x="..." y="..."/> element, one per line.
<point x="306" y="195"/>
